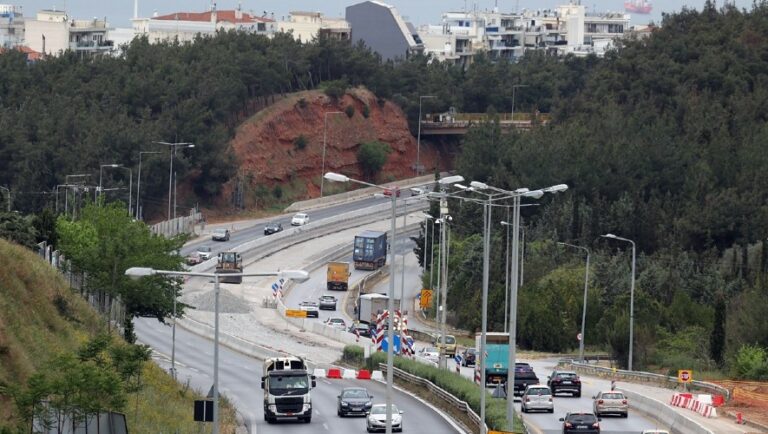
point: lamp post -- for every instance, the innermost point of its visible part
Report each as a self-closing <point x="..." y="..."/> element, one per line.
<point x="173" y="147"/>
<point x="515" y="86"/>
<point x="138" y="187"/>
<point x="631" y="296"/>
<point x="101" y="169"/>
<point x="506" y="274"/>
<point x="138" y="272"/>
<point x="325" y="130"/>
<point x="336" y="177"/>
<point x="584" y="308"/>
<point x="130" y="190"/>
<point x="418" y="137"/>
<point x="66" y="192"/>
<point x="427" y="218"/>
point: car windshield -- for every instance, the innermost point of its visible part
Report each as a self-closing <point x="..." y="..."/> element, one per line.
<point x="430" y="350"/>
<point x="354" y="393"/>
<point x="581" y="418"/>
<point x="539" y="391"/>
<point x="308" y="303"/>
<point x="382" y="409"/>
<point x="220" y="231"/>
<point x="300" y="216"/>
<point x="566" y="375"/>
<point x="327" y="298"/>
<point x="336" y="321"/>
<point x="613" y="396"/>
<point x="204" y="249"/>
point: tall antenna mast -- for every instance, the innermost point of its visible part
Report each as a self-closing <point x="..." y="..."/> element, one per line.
<point x="135" y="9"/>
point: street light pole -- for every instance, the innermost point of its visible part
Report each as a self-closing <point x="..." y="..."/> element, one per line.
<point x="138" y="187"/>
<point x="101" y="168"/>
<point x="418" y="137"/>
<point x="584" y="308"/>
<point x="515" y="86"/>
<point x="631" y="296"/>
<point x="506" y="279"/>
<point x="325" y="131"/>
<point x="170" y="172"/>
<point x="139" y="272"/>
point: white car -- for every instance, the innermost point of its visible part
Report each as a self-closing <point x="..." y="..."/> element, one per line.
<point x="430" y="353"/>
<point x="220" y="234"/>
<point x="377" y="418"/>
<point x="204" y="252"/>
<point x="300" y="219"/>
<point x="334" y="322"/>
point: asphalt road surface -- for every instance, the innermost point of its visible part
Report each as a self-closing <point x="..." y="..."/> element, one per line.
<point x="240" y="378"/>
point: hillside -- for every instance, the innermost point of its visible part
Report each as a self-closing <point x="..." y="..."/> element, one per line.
<point x="40" y="318"/>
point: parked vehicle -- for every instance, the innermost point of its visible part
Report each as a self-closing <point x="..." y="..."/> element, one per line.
<point x="205" y="252"/>
<point x="337" y="276"/>
<point x="300" y="219"/>
<point x="565" y="381"/>
<point x="327" y="302"/>
<point x="580" y="423"/>
<point x="468" y="357"/>
<point x="370" y="250"/>
<point x="447" y="344"/>
<point x="354" y="400"/>
<point x="610" y="402"/>
<point x="377" y="418"/>
<point x="220" y="234"/>
<point x="287" y="385"/>
<point x="537" y="397"/>
<point x="229" y="263"/>
<point x="335" y="322"/>
<point x="272" y="228"/>
<point x="311" y="308"/>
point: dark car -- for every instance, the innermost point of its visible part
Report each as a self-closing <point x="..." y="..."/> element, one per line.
<point x="524" y="376"/>
<point x="580" y="423"/>
<point x="354" y="400"/>
<point x="311" y="308"/>
<point x="468" y="357"/>
<point x="327" y="302"/>
<point x="565" y="381"/>
<point x="363" y="330"/>
<point x="272" y="228"/>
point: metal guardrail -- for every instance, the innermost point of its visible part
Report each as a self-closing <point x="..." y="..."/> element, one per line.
<point x="434" y="389"/>
<point x="648" y="377"/>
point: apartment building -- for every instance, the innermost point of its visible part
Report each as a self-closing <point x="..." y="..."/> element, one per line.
<point x="381" y="28"/>
<point x="304" y="26"/>
<point x="11" y="26"/>
<point x="185" y="26"/>
<point x="52" y="32"/>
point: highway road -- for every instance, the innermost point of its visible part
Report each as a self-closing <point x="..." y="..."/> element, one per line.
<point x="240" y="378"/>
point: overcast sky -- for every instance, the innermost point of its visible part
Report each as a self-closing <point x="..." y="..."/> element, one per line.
<point x="419" y="12"/>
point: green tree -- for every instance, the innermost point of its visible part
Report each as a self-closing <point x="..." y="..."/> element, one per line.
<point x="372" y="156"/>
<point x="18" y="229"/>
<point x="105" y="242"/>
<point x="717" y="338"/>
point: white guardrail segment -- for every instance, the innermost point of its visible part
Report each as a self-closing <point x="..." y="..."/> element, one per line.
<point x="677" y="422"/>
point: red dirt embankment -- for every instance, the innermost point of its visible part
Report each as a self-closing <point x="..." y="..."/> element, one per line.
<point x="266" y="144"/>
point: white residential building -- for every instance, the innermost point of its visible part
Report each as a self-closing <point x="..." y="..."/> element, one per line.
<point x="305" y="26"/>
<point x="185" y="26"/>
<point x="53" y="32"/>
<point x="11" y="26"/>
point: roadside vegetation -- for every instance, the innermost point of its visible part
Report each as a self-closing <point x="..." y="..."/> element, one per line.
<point x="55" y="347"/>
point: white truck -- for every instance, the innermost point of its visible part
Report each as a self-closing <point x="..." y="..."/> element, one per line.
<point x="287" y="384"/>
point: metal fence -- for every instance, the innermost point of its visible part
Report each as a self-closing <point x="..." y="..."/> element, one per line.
<point x="179" y="225"/>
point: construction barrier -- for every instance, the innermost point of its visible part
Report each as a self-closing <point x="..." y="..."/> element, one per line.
<point x="319" y="373"/>
<point x="333" y="373"/>
<point x="348" y="374"/>
<point x="363" y="374"/>
<point x="685" y="400"/>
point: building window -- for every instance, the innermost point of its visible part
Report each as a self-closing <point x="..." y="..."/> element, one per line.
<point x="262" y="27"/>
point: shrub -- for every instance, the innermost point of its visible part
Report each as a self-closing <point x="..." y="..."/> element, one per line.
<point x="335" y="89"/>
<point x="277" y="192"/>
<point x="750" y="363"/>
<point x="366" y="111"/>
<point x="350" y="111"/>
<point x="300" y="142"/>
<point x="372" y="156"/>
<point x="353" y="354"/>
<point x="302" y="103"/>
<point x="461" y="387"/>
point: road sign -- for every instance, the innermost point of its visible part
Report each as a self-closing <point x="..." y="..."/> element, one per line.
<point x="203" y="411"/>
<point x="426" y="298"/>
<point x="296" y="313"/>
<point x="578" y="337"/>
<point x="684" y="376"/>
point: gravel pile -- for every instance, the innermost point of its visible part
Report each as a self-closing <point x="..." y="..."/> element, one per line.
<point x="228" y="302"/>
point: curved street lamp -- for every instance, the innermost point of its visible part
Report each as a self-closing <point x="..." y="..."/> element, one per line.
<point x="631" y="296"/>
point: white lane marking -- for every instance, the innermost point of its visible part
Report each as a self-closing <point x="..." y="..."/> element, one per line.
<point x="325" y="425"/>
<point x="326" y="382"/>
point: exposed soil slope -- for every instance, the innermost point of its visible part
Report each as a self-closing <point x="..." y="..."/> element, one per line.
<point x="268" y="154"/>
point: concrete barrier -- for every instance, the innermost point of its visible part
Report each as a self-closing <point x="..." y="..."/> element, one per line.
<point x="678" y="423"/>
<point x="349" y="196"/>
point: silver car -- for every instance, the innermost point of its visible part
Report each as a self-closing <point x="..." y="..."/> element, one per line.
<point x="537" y="398"/>
<point x="610" y="402"/>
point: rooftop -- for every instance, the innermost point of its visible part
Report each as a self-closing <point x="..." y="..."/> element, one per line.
<point x="221" y="16"/>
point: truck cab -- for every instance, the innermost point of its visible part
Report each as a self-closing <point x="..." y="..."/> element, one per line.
<point x="287" y="387"/>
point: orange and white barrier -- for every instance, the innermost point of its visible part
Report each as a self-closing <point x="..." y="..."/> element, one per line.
<point x="350" y="374"/>
<point x="687" y="401"/>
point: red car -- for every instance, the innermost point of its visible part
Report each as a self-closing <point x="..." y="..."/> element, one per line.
<point x="388" y="191"/>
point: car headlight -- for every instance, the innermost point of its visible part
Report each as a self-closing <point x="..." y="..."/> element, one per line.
<point x="369" y="403"/>
<point x="272" y="407"/>
<point x="344" y="404"/>
<point x="306" y="407"/>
